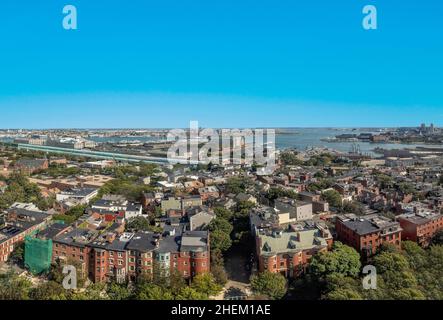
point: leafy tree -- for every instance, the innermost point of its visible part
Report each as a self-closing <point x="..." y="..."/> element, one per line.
<point x="243" y="208"/>
<point x="272" y="285"/>
<point x="220" y="240"/>
<point x="333" y="198"/>
<point x="389" y="247"/>
<point x="238" y="185"/>
<point x="50" y="290"/>
<point x="13" y="287"/>
<point x="220" y="224"/>
<point x="223" y="213"/>
<point x="19" y="190"/>
<point x="384" y="181"/>
<point x="320" y="185"/>
<point x="188" y="293"/>
<point x="406" y="188"/>
<point x="206" y="284"/>
<point x="95" y="291"/>
<point x="344" y="294"/>
<point x="276" y="192"/>
<point x="141" y="224"/>
<point x="341" y="287"/>
<point x="353" y="207"/>
<point x="129" y="187"/>
<point x="176" y="281"/>
<point x="290" y="159"/>
<point x="398" y="278"/>
<point x="219" y="273"/>
<point x="71" y="215"/>
<point x="321" y="160"/>
<point x="18" y="254"/>
<point x="116" y="291"/>
<point x="342" y="260"/>
<point x="150" y="291"/>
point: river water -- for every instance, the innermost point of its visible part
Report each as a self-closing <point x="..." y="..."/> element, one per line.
<point x="302" y="139"/>
<point x="299" y="138"/>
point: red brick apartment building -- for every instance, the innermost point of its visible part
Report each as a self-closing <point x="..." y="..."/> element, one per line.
<point x="18" y="224"/>
<point x="32" y="165"/>
<point x="126" y="256"/>
<point x="420" y="227"/>
<point x="289" y="252"/>
<point x="367" y="234"/>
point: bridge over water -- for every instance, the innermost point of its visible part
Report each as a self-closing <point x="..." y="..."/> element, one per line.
<point x="102" y="155"/>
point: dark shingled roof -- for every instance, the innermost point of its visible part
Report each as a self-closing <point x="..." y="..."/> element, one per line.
<point x="361" y="227"/>
<point x="142" y="241"/>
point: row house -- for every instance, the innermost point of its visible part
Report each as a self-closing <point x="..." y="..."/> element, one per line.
<point x="367" y="234"/>
<point x="181" y="203"/>
<point x="289" y="251"/>
<point x="18" y="224"/>
<point x="123" y="256"/>
<point x="420" y="227"/>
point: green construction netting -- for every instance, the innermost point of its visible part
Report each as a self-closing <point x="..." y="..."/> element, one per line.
<point x="38" y="254"/>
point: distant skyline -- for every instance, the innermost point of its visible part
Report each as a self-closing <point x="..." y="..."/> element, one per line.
<point x="235" y="63"/>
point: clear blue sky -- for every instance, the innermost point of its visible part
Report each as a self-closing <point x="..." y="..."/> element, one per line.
<point x="230" y="63"/>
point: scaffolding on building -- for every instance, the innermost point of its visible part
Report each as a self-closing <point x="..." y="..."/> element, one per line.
<point x="38" y="254"/>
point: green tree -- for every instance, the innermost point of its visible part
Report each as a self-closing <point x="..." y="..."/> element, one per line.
<point x="223" y="213"/>
<point x="342" y="260"/>
<point x="13" y="287"/>
<point x="150" y="291"/>
<point x="238" y="185"/>
<point x="141" y="224"/>
<point x="272" y="285"/>
<point x="50" y="290"/>
<point x="220" y="240"/>
<point x="219" y="273"/>
<point x="206" y="284"/>
<point x="116" y="291"/>
<point x="290" y="159"/>
<point x="342" y="287"/>
<point x="353" y="207"/>
<point x="188" y="293"/>
<point x="398" y="278"/>
<point x="333" y="198"/>
<point x="220" y="224"/>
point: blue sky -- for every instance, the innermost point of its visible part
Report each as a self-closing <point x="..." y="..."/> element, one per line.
<point x="230" y="63"/>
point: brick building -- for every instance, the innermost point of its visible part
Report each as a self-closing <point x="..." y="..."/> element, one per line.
<point x="289" y="251"/>
<point x="126" y="256"/>
<point x="420" y="227"/>
<point x="32" y="165"/>
<point x="19" y="223"/>
<point x="367" y="234"/>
